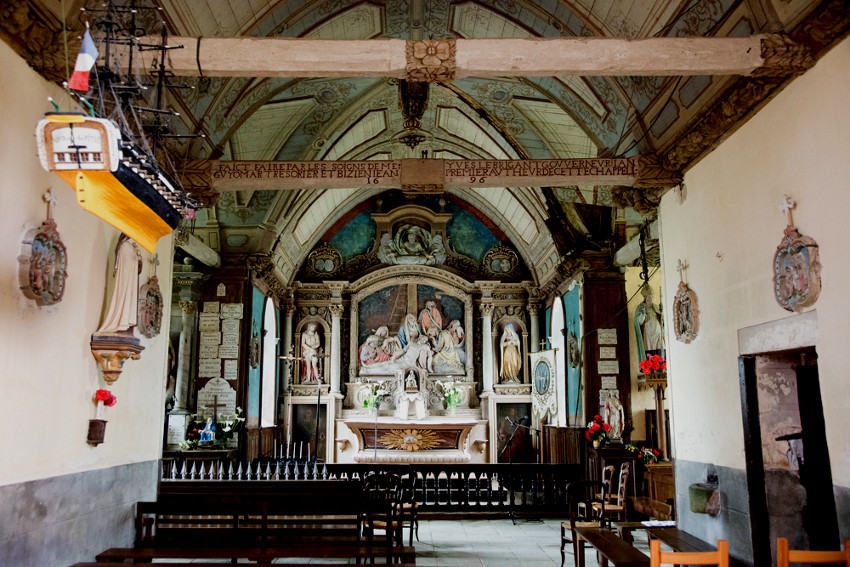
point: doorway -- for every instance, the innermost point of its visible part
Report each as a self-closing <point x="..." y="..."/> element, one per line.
<point x="788" y="471"/>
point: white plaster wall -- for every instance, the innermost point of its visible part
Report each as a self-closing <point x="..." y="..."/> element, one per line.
<point x="728" y="229"/>
<point x="47" y="373"/>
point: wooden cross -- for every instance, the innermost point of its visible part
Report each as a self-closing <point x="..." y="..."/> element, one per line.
<point x="215" y="406"/>
<point x="51" y="201"/>
<point x="787" y="204"/>
<point x="681" y="267"/>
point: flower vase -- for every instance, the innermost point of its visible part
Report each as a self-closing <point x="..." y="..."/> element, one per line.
<point x="451" y="410"/>
<point x="596" y="443"/>
<point x="97" y="429"/>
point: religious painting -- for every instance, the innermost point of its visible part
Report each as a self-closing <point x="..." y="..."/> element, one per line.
<point x="685" y="314"/>
<point x="43" y="262"/>
<point x="304" y="428"/>
<point x="394" y="335"/>
<point x="513" y="443"/>
<point x="796" y="271"/>
<point x="510" y="353"/>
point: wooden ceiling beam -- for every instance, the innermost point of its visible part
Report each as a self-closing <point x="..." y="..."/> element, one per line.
<point x="445" y="60"/>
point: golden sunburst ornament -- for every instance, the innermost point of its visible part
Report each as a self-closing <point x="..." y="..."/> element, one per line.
<point x="410" y="439"/>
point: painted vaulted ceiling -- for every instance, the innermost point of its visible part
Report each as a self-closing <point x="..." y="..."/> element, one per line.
<point x="245" y="118"/>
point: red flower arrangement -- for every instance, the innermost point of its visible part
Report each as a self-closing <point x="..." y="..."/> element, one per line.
<point x="647" y="455"/>
<point x="106" y="397"/>
<point x="597" y="430"/>
<point x="653" y="363"/>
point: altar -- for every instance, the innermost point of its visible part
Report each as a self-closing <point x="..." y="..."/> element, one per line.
<point x="432" y="440"/>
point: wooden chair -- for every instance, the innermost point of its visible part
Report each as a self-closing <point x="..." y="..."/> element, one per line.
<point x="719" y="557"/>
<point x="408" y="508"/>
<point x="607" y="479"/>
<point x="784" y="556"/>
<point x="582" y="498"/>
<point x="616" y="509"/>
<point x="382" y="499"/>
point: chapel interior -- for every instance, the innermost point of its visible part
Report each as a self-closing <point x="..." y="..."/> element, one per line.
<point x="446" y="238"/>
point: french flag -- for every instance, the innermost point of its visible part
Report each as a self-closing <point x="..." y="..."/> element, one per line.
<point x="85" y="61"/>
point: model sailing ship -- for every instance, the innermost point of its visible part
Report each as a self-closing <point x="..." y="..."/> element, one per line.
<point x="109" y="155"/>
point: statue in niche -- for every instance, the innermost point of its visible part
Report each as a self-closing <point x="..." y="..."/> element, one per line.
<point x="649" y="331"/>
<point x="123" y="310"/>
<point x="410" y="381"/>
<point x="311" y="345"/>
<point x="511" y="357"/>
<point x="412" y="245"/>
<point x="614" y="414"/>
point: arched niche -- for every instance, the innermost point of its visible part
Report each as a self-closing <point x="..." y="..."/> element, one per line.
<point x="407" y="289"/>
<point x="325" y="333"/>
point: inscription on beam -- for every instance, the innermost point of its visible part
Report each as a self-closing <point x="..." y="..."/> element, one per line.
<point x="435" y="174"/>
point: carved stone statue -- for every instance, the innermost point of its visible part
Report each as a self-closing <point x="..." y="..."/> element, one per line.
<point x="614" y="415"/>
<point x="649" y="331"/>
<point x="311" y="365"/>
<point x="511" y="356"/>
<point x="123" y="311"/>
<point x="412" y="245"/>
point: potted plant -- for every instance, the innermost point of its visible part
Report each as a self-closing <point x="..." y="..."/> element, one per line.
<point x="653" y="363"/>
<point x="375" y="396"/>
<point x="451" y="395"/>
<point x="646" y="455"/>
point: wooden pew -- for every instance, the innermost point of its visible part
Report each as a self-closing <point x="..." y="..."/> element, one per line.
<point x="229" y="514"/>
<point x="679" y="540"/>
<point x="611" y="547"/>
<point x="260" y="554"/>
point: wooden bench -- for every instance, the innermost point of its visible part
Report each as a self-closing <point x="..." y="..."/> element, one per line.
<point x="260" y="554"/>
<point x="611" y="548"/>
<point x="222" y="513"/>
<point x="679" y="540"/>
<point x="219" y="564"/>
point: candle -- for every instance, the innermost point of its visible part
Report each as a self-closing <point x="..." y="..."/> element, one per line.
<point x="308" y="452"/>
<point x="287" y="450"/>
<point x="300" y="450"/>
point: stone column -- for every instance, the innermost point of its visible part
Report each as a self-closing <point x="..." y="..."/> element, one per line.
<point x="487" y="346"/>
<point x="534" y="326"/>
<point x="188" y="310"/>
<point x="336" y="345"/>
<point x="288" y="312"/>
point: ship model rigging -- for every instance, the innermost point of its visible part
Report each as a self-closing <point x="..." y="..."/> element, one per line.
<point x="113" y="154"/>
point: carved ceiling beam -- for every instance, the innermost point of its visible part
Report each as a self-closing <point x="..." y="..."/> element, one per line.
<point x="429" y="175"/>
<point x="449" y="59"/>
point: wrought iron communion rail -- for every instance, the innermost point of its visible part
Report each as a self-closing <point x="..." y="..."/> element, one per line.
<point x="436" y="488"/>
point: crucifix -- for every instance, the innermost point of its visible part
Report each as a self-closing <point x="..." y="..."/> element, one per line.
<point x="51" y="201"/>
<point x="787" y="204"/>
<point x="681" y="267"/>
<point x="543" y="344"/>
<point x="215" y="406"/>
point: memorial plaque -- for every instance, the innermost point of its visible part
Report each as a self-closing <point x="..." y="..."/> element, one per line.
<point x="209" y="368"/>
<point x="211" y="307"/>
<point x="608" y="366"/>
<point x="177" y="425"/>
<point x="609" y="382"/>
<point x="228" y="351"/>
<point x="217" y="392"/>
<point x="607" y="336"/>
<point x="210" y="338"/>
<point x="230" y="339"/>
<point x="230" y="326"/>
<point x="231" y="310"/>
<point x="208" y="322"/>
<point x="231" y="369"/>
<point x="208" y="351"/>
<point x="607" y="352"/>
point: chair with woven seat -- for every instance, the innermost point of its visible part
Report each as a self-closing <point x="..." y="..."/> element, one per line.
<point x="408" y="508"/>
<point x="615" y="507"/>
<point x="582" y="497"/>
<point x="607" y="479"/>
<point x="719" y="557"/>
<point x="784" y="556"/>
<point x="382" y="498"/>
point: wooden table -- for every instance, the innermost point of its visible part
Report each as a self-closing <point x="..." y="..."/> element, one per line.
<point x="610" y="547"/>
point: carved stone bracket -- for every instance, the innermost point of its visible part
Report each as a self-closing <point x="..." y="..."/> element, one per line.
<point x="783" y="57"/>
<point x="568" y="268"/>
<point x="643" y="201"/>
<point x="263" y="269"/>
<point x="653" y="171"/>
<point x="111" y="351"/>
<point x="431" y="60"/>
